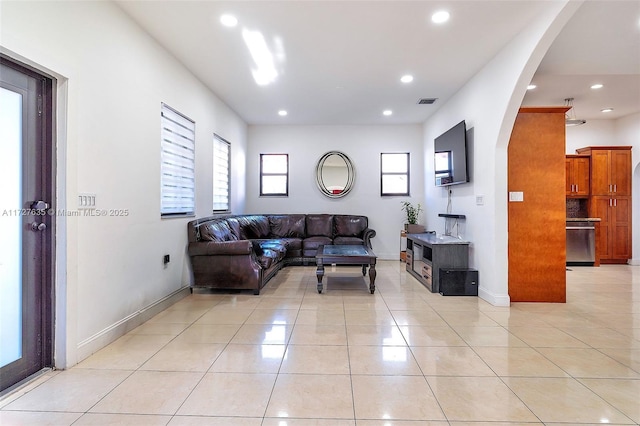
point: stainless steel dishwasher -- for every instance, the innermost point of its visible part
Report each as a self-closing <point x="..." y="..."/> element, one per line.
<point x="581" y="243"/>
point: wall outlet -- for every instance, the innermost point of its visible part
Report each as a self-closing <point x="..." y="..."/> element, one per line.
<point x="516" y="196"/>
<point x="479" y="200"/>
<point x="166" y="259"/>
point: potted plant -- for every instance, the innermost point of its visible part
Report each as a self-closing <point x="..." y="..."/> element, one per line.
<point x="412" y="212"/>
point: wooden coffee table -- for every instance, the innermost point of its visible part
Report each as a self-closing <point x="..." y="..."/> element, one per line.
<point x="346" y="255"/>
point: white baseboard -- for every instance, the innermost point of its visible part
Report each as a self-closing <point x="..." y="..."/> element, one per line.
<point x="101" y="339"/>
<point x="494" y="299"/>
<point x="634" y="262"/>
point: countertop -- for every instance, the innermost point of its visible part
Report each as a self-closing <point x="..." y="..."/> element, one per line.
<point x="583" y="219"/>
<point x="437" y="239"/>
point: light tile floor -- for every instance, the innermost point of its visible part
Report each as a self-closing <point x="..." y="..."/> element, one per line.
<point x="403" y="356"/>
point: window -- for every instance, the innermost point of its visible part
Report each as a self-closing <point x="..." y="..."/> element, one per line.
<point x="274" y="174"/>
<point x="177" y="163"/>
<point x="444" y="167"/>
<point x="394" y="173"/>
<point x="221" y="177"/>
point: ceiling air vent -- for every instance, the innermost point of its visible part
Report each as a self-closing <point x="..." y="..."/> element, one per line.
<point x="426" y="101"/>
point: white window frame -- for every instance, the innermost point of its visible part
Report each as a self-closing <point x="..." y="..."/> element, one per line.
<point x="263" y="174"/>
<point x="396" y="173"/>
<point x="221" y="174"/>
<point x="177" y="164"/>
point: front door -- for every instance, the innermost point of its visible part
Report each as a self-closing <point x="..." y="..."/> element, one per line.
<point x="26" y="223"/>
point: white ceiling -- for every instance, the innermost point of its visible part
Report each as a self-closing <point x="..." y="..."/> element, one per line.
<point x="340" y="62"/>
<point x="600" y="44"/>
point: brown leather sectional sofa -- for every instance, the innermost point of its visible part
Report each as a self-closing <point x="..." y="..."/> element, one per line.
<point x="244" y="252"/>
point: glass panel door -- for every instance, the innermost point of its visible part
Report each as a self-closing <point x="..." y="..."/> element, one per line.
<point x="10" y="226"/>
<point x="26" y="243"/>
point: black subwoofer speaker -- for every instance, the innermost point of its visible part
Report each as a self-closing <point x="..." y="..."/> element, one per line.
<point x="458" y="282"/>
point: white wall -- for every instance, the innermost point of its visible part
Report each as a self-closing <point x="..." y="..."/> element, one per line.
<point x="363" y="145"/>
<point x="112" y="78"/>
<point x="489" y="103"/>
<point x="592" y="133"/>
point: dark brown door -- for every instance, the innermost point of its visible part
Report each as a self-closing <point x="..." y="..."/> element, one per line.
<point x="26" y="223"/>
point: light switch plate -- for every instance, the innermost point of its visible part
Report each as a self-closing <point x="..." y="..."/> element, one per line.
<point x="86" y="201"/>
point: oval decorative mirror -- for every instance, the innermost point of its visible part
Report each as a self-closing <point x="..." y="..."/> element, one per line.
<point x="335" y="174"/>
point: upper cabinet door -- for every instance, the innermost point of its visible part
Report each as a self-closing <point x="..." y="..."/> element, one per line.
<point x="621" y="172"/>
<point x="600" y="173"/>
<point x="577" y="174"/>
<point x="582" y="175"/>
<point x="610" y="170"/>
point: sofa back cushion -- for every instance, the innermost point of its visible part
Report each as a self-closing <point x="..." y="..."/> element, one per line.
<point x="253" y="227"/>
<point x="235" y="226"/>
<point x="217" y="231"/>
<point x="287" y="226"/>
<point x="350" y="226"/>
<point x="319" y="225"/>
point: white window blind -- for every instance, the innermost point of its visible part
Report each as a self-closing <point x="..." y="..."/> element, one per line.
<point x="177" y="165"/>
<point x="221" y="161"/>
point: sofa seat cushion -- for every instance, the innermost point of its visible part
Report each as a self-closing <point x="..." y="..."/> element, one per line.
<point x="350" y="226"/>
<point x="268" y="258"/>
<point x="287" y="226"/>
<point x="277" y="246"/>
<point x="342" y="241"/>
<point x="310" y="245"/>
<point x="293" y="245"/>
<point x="319" y="225"/>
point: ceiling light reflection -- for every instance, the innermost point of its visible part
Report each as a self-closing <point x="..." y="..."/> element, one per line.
<point x="606" y="110"/>
<point x="272" y="351"/>
<point x="531" y="87"/>
<point x="276" y="335"/>
<point x="597" y="86"/>
<point x="265" y="71"/>
<point x="394" y="353"/>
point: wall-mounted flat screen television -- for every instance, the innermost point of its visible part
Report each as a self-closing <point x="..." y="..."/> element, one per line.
<point x="451" y="156"/>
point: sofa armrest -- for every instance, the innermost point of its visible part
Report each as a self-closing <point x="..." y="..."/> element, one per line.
<point x="367" y="235"/>
<point x="206" y="248"/>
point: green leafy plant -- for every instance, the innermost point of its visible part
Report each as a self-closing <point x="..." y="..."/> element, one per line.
<point x="412" y="212"/>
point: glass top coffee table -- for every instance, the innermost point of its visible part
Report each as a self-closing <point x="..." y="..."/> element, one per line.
<point x="346" y="255"/>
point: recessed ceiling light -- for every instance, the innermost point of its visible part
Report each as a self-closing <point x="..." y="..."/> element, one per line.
<point x="597" y="86"/>
<point x="440" y="17"/>
<point x="406" y="78"/>
<point x="282" y="113"/>
<point x="387" y="112"/>
<point x="531" y="87"/>
<point x="606" y="110"/>
<point x="228" y="20"/>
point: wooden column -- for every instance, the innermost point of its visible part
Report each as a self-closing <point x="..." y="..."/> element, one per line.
<point x="537" y="234"/>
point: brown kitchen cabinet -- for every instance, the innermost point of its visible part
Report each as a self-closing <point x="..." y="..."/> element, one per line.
<point x="611" y="200"/>
<point x="614" y="242"/>
<point x="610" y="169"/>
<point x="578" y="176"/>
